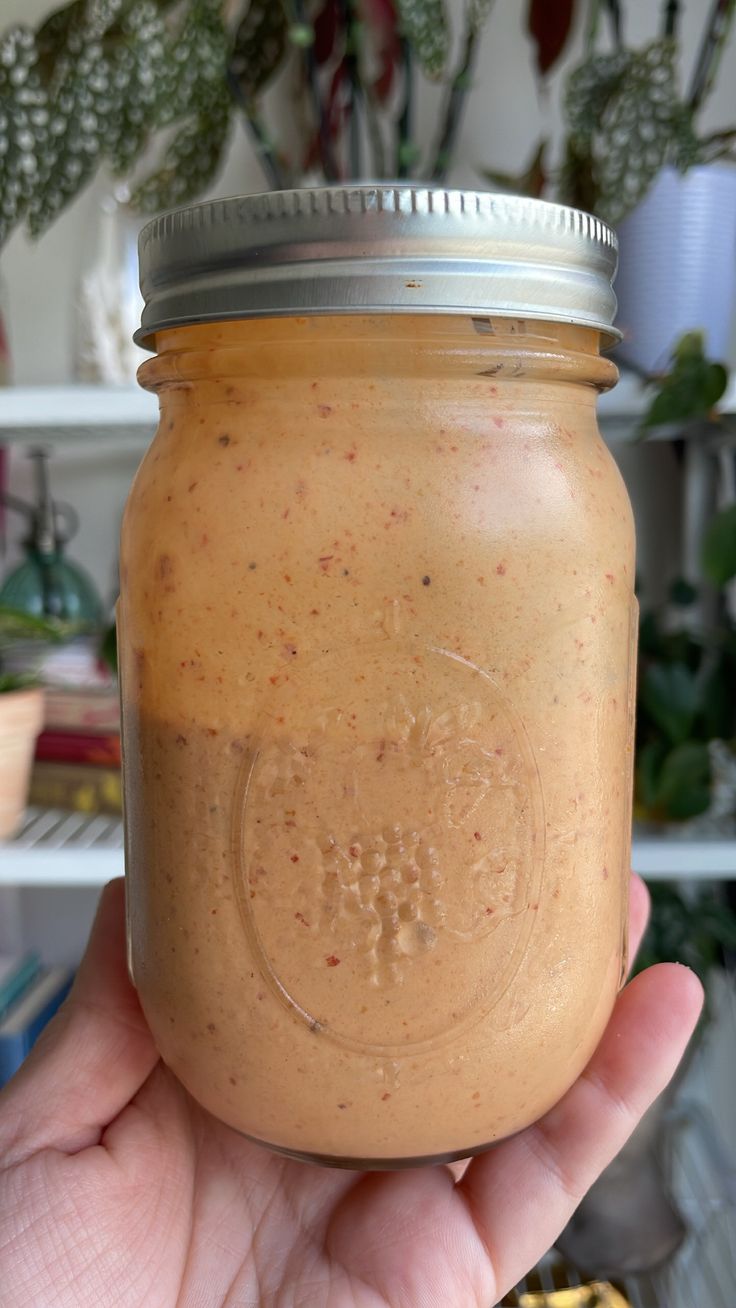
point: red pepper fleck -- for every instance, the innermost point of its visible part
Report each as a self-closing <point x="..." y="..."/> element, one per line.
<point x="332" y="960"/>
<point x="501" y="569"/>
<point x="191" y="488"/>
<point x="477" y="835"/>
<point x="324" y="560"/>
<point x="301" y="918"/>
<point x="351" y="456"/>
<point x="295" y="858"/>
<point x="386" y="1095"/>
<point x="610" y="577"/>
<point x="324" y="410"/>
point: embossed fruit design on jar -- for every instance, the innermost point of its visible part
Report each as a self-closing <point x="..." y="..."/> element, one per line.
<point x="376" y="639"/>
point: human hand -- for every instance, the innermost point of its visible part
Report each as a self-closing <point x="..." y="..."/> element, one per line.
<point x="118" y="1191"/>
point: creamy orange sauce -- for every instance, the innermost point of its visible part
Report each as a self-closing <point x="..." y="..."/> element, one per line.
<point x="376" y="648"/>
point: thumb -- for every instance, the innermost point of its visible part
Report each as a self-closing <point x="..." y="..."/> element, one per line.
<point x="92" y="1057"/>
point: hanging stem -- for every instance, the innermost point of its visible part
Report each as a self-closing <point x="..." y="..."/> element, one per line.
<point x="374" y="132"/>
<point x="671" y="19"/>
<point x="351" y="63"/>
<point x="454" y="106"/>
<point x="591" y="31"/>
<point x="327" y="158"/>
<point x="404" y="125"/>
<point x="614" y="13"/>
<point x="714" y="40"/>
<point x="717" y="145"/>
<point x="262" y="144"/>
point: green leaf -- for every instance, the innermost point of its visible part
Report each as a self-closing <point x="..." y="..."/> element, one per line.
<point x="648" y="768"/>
<point x="636" y="129"/>
<point x="78" y="77"/>
<point x="109" y="648"/>
<point x="682" y="593"/>
<point x="10" y="681"/>
<point x="590" y="87"/>
<point x="688" y="930"/>
<point x="17" y="626"/>
<point x="651" y="641"/>
<point x="690" y="389"/>
<point x="190" y="163"/>
<point x="669" y="693"/>
<point x="198" y="58"/>
<point x="140" y="86"/>
<point x="717" y="716"/>
<point x="623" y="115"/>
<point x="719" y="547"/>
<point x="690" y="346"/>
<point x="24" y="115"/>
<point x="425" y="26"/>
<point x="259" y="46"/>
<point x="685" y="781"/>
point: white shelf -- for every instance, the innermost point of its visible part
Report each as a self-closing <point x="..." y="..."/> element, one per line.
<point x="54" y="848"/>
<point x="39" y="413"/>
<point x="661" y="858"/>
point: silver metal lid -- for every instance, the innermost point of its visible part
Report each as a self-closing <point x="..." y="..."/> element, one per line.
<point x="380" y="248"/>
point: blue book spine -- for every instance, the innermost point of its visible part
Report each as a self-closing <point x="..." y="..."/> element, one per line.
<point x="16" y="1044"/>
<point x="14" y="987"/>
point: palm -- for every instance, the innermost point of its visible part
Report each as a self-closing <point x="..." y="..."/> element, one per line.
<point x="120" y="1191"/>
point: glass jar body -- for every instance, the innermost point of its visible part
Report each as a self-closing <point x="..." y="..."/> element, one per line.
<point x="376" y="647"/>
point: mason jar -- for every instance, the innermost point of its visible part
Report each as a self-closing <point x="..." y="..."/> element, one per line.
<point x="377" y="632"/>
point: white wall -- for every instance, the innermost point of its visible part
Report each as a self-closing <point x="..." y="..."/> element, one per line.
<point x="506" y="114"/>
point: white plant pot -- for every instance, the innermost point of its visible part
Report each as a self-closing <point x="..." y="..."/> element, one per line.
<point x="677" y="265"/>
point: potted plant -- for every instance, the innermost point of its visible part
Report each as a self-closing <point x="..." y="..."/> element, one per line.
<point x="629" y="1221"/>
<point x="104" y="85"/>
<point x="686" y="703"/>
<point x="635" y="154"/>
<point x="21" y="714"/>
<point x="685" y="774"/>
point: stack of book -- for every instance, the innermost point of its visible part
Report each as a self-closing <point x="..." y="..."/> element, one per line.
<point x="29" y="996"/>
<point x="78" y="752"/>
